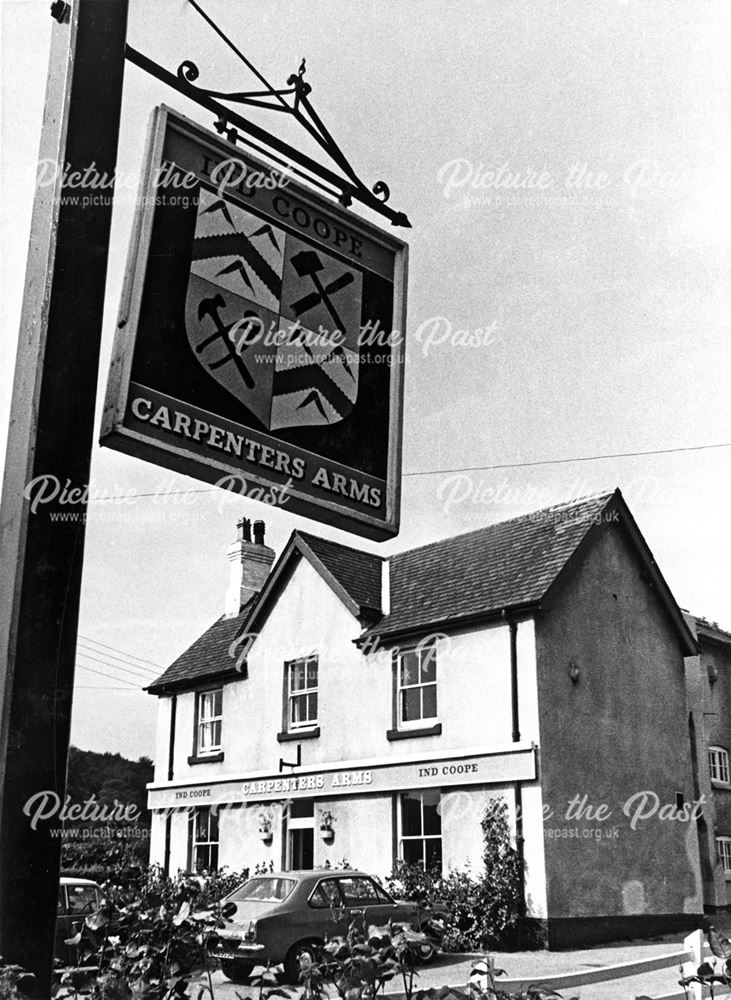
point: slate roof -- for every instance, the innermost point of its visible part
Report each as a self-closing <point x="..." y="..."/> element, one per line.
<point x="702" y="628"/>
<point x="507" y="565"/>
<point x="359" y="573"/>
<point x="210" y="655"/>
<point x="501" y="566"/>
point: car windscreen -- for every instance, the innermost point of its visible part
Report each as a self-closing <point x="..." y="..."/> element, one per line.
<point x="265" y="889"/>
<point x="82" y="898"/>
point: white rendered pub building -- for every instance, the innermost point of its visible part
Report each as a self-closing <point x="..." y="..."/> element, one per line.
<point x="351" y="706"/>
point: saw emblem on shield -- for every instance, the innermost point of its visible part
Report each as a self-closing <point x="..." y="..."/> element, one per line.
<point x="261" y="310"/>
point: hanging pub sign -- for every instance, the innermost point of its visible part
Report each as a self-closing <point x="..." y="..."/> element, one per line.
<point x="259" y="344"/>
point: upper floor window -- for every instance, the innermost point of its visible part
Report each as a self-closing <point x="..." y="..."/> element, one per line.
<point x="301" y="693"/>
<point x="724" y="853"/>
<point x="719" y="765"/>
<point x="417" y="684"/>
<point x="208" y="729"/>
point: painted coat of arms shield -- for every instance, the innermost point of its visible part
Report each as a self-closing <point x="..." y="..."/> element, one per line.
<point x="274" y="320"/>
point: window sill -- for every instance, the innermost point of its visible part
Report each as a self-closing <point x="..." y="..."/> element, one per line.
<point x="720" y="784"/>
<point x="298" y="734"/>
<point x="410" y="734"/>
<point x="206" y="758"/>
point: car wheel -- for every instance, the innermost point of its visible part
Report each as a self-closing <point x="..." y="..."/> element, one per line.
<point x="236" y="970"/>
<point x="292" y="959"/>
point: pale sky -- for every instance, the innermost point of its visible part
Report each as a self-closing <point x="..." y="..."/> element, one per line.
<point x="599" y="302"/>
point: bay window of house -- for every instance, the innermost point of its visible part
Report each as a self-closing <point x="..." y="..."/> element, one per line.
<point x="718" y="763"/>
<point x="301" y="695"/>
<point x="209" y="718"/>
<point x="724" y="854"/>
<point x="204" y="839"/>
<point x="420" y="829"/>
<point x="415" y="692"/>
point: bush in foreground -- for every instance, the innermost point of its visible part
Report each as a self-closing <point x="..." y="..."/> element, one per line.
<point x="483" y="912"/>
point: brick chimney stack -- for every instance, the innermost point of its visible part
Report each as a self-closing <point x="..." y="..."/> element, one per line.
<point x="249" y="562"/>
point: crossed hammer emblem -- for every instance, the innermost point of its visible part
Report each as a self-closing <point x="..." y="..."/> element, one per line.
<point x="210" y="307"/>
<point x="306" y="264"/>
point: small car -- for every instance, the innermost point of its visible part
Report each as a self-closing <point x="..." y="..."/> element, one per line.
<point x="281" y="915"/>
<point x="77" y="899"/>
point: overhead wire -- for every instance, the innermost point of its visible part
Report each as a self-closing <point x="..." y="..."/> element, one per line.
<point x="114" y="666"/>
<point x="91" y="670"/>
<point x="116" y="649"/>
<point x="108" y="657"/>
<point x="142" y="675"/>
<point x="468" y="468"/>
<point x="103" y="687"/>
<point x="565" y="461"/>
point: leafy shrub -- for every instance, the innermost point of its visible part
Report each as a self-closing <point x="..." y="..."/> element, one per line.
<point x="483" y="912"/>
<point x="120" y="863"/>
<point x="219" y="884"/>
<point x="128" y="879"/>
<point x="14" y="981"/>
<point x="149" y="938"/>
<point x="362" y="962"/>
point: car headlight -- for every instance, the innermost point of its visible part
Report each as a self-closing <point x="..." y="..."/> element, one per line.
<point x="250" y="934"/>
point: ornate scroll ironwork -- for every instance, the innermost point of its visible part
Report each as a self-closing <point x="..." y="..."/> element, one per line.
<point x="294" y="100"/>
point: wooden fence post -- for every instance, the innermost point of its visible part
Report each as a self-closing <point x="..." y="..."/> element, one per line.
<point x="694" y="944"/>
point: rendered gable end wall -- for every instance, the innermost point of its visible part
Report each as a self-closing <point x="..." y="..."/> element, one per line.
<point x="620" y="729"/>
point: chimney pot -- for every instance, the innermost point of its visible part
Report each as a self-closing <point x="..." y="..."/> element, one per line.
<point x="250" y="563"/>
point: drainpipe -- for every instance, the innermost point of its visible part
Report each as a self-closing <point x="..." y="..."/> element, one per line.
<point x="171" y="760"/>
<point x="513" y="626"/>
<point x="171" y="746"/>
<point x="519" y="839"/>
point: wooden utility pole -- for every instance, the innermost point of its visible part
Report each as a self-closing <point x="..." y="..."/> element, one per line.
<point x="51" y="434"/>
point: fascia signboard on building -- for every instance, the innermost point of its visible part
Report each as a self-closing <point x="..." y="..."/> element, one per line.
<point x="515" y="764"/>
<point x="260" y="337"/>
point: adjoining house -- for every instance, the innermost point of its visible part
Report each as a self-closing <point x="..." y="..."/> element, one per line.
<point x="709" y="703"/>
<point x="353" y="706"/>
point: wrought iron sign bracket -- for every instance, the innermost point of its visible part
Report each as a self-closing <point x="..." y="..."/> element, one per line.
<point x="294" y="101"/>
<point x="293" y="764"/>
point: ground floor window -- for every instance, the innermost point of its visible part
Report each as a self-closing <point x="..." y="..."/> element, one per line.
<point x="420" y="825"/>
<point x="204" y="840"/>
<point x="724" y="853"/>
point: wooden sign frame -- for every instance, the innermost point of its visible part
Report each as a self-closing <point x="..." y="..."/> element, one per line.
<point x="163" y="407"/>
